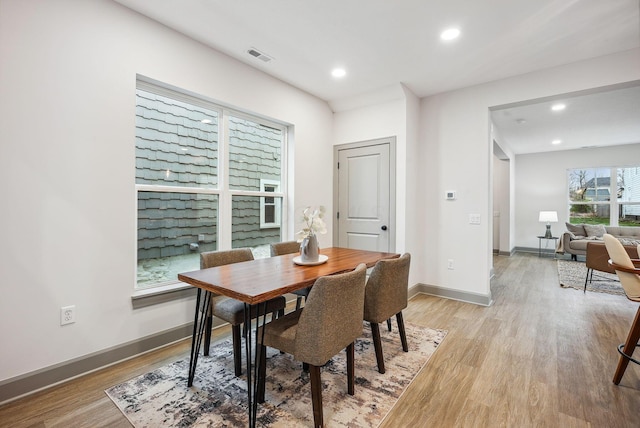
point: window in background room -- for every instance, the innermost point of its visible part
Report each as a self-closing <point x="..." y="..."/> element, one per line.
<point x="201" y="188"/>
<point x="609" y="196"/>
<point x="629" y="196"/>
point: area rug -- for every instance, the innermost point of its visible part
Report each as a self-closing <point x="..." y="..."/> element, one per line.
<point x="572" y="274"/>
<point x="217" y="398"/>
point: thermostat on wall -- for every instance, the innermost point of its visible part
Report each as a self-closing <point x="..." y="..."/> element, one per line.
<point x="451" y="194"/>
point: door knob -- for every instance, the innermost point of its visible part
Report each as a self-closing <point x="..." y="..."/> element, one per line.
<point x="384" y="228"/>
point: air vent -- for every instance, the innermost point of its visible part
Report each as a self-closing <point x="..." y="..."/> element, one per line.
<point x="260" y="55"/>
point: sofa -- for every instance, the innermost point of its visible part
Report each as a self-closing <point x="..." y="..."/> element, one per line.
<point x="574" y="241"/>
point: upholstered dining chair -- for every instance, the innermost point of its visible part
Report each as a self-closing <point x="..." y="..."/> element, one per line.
<point x="232" y="310"/>
<point x="290" y="247"/>
<point x="330" y="321"/>
<point x="629" y="275"/>
<point x="386" y="295"/>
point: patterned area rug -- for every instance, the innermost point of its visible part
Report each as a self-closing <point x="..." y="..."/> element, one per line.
<point x="572" y="275"/>
<point x="218" y="398"/>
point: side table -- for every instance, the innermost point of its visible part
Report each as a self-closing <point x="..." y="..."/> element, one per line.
<point x="555" y="244"/>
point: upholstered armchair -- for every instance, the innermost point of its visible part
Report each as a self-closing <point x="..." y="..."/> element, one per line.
<point x="386" y="295"/>
<point x="232" y="310"/>
<point x="290" y="247"/>
<point x="330" y="321"/>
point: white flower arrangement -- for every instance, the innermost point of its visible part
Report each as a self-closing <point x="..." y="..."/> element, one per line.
<point x="313" y="222"/>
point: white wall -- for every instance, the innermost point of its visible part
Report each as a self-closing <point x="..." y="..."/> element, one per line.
<point x="541" y="185"/>
<point x="68" y="217"/>
<point x="455" y="154"/>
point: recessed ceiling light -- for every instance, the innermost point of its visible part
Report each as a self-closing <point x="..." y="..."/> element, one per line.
<point x="206" y="121"/>
<point x="338" y="72"/>
<point x="558" y="107"/>
<point x="450" y="34"/>
<point x="556" y="142"/>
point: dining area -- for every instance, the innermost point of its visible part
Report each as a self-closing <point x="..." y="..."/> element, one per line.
<point x="339" y="301"/>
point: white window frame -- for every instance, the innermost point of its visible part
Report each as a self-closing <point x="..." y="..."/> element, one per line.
<point x="613" y="202"/>
<point x="264" y="182"/>
<point x="225" y="194"/>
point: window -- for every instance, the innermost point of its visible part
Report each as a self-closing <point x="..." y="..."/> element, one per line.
<point x="609" y="196"/>
<point x="269" y="205"/>
<point x="206" y="178"/>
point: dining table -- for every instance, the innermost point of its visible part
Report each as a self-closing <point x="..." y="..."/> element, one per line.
<point x="254" y="283"/>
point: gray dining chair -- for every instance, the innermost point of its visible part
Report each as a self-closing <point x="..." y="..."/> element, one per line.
<point x="290" y="247"/>
<point x="386" y="295"/>
<point x="232" y="310"/>
<point x="629" y="274"/>
<point x="330" y="321"/>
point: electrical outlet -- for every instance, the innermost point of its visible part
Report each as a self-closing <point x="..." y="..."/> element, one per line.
<point x="450" y="264"/>
<point x="67" y="315"/>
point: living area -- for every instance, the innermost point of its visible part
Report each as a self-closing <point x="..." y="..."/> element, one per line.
<point x="567" y="198"/>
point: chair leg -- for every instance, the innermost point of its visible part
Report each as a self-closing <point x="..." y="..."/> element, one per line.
<point x="298" y="302"/>
<point x="377" y="345"/>
<point x="237" y="349"/>
<point x="403" y="336"/>
<point x="587" y="279"/>
<point x="389" y="324"/>
<point x="350" y="369"/>
<point x="629" y="347"/>
<point x="262" y="373"/>
<point x="207" y="334"/>
<point x="316" y="395"/>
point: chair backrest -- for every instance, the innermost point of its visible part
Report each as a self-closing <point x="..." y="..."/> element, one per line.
<point x="332" y="316"/>
<point x="287" y="247"/>
<point x="225" y="257"/>
<point x="629" y="281"/>
<point x="386" y="293"/>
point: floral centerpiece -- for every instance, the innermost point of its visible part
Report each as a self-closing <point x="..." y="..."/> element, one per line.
<point x="313" y="223"/>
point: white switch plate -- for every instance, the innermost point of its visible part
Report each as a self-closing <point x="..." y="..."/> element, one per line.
<point x="474" y="218"/>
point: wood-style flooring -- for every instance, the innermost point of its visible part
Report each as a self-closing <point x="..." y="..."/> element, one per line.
<point x="540" y="356"/>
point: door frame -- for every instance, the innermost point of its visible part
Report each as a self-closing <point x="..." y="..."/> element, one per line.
<point x="391" y="141"/>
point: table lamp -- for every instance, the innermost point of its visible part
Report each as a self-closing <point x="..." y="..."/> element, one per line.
<point x="548" y="217"/>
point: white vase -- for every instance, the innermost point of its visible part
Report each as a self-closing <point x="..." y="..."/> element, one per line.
<point x="309" y="249"/>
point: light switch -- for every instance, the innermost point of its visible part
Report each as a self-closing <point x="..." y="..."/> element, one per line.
<point x="474" y="218"/>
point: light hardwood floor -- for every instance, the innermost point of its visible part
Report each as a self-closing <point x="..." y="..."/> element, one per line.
<point x="540" y="356"/>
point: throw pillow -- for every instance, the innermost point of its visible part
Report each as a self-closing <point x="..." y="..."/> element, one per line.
<point x="576" y="229"/>
<point x="596" y="230"/>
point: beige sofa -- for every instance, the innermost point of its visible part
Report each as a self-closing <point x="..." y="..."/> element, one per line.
<point x="574" y="241"/>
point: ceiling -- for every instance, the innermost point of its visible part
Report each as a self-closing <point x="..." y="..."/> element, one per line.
<point x="606" y="117"/>
<point x="382" y="43"/>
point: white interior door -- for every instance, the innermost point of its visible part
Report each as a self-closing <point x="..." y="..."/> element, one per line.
<point x="364" y="197"/>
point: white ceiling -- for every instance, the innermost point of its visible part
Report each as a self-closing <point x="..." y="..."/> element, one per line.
<point x="596" y="119"/>
<point x="382" y="43"/>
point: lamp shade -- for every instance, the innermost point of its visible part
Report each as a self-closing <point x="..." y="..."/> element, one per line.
<point x="548" y="217"/>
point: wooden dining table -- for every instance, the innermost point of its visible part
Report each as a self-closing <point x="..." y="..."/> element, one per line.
<point x="256" y="281"/>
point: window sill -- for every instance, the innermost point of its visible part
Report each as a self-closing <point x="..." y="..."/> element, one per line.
<point x="165" y="293"/>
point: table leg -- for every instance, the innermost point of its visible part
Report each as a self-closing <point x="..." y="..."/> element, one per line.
<point x="539" y="247"/>
<point x="252" y="376"/>
<point x="203" y="306"/>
